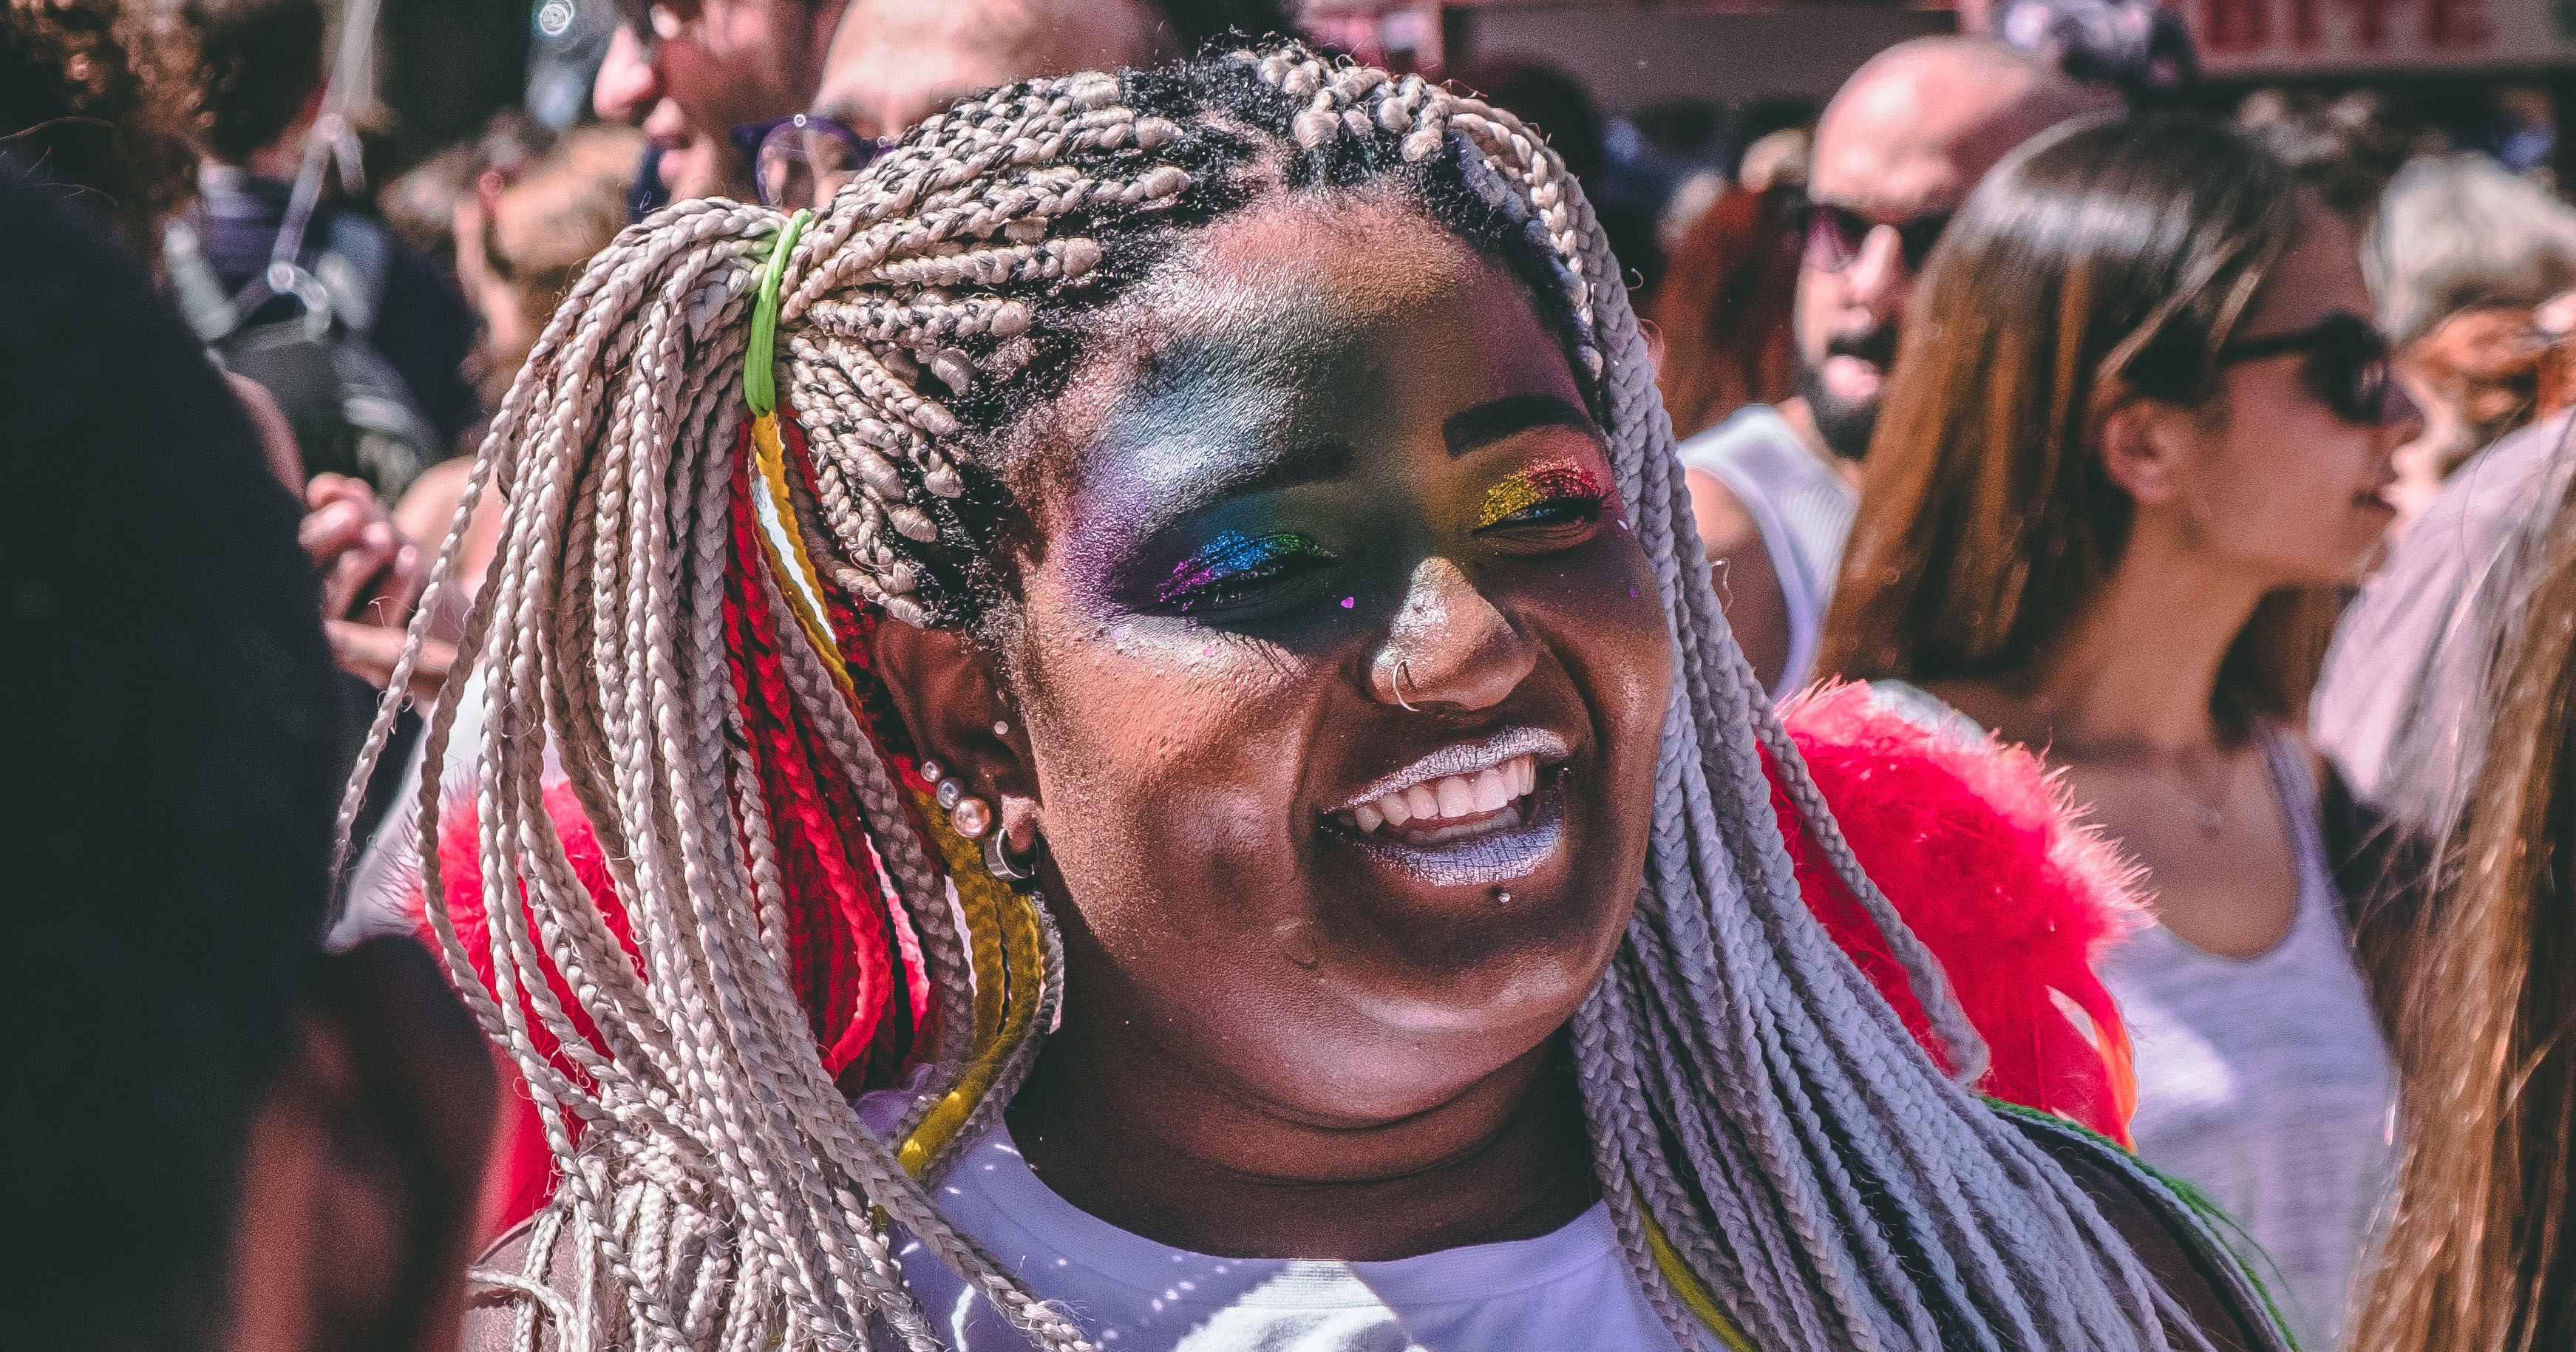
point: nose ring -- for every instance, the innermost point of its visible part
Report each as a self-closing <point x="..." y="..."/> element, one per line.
<point x="1400" y="677"/>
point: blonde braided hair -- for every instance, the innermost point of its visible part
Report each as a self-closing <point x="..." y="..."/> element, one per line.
<point x="1783" y="1162"/>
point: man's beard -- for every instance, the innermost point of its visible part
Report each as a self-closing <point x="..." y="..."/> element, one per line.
<point x="1845" y="424"/>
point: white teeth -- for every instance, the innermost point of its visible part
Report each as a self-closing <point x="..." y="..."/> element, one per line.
<point x="1422" y="800"/>
<point x="1487" y="790"/>
<point x="1457" y="798"/>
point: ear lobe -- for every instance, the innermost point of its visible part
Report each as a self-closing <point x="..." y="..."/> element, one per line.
<point x="951" y="702"/>
<point x="361" y="1177"/>
<point x="2140" y="445"/>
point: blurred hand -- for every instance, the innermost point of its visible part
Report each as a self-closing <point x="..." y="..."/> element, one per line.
<point x="369" y="652"/>
<point x="370" y="574"/>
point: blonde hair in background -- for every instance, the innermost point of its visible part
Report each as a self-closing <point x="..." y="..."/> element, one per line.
<point x="2459" y="230"/>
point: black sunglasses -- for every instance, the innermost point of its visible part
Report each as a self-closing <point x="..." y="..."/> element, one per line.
<point x="2347" y="367"/>
<point x="1835" y="235"/>
<point x="800" y="160"/>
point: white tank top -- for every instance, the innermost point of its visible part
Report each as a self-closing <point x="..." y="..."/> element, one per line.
<point x="2265" y="1081"/>
<point x="1803" y="509"/>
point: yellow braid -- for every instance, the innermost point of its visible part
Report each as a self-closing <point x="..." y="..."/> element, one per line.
<point x="1003" y="941"/>
<point x="1686" y="1284"/>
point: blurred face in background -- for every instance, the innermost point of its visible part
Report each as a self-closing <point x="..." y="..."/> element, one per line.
<point x="690" y="71"/>
<point x="1896" y="153"/>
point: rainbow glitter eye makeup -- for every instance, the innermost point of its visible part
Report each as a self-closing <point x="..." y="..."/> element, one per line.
<point x="1550" y="495"/>
<point x="1233" y="565"/>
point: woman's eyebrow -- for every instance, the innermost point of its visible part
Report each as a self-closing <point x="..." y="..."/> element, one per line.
<point x="1487" y="423"/>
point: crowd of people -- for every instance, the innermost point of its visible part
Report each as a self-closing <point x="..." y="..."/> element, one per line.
<point x="1066" y="673"/>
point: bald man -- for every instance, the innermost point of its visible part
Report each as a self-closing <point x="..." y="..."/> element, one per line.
<point x="895" y="62"/>
<point x="1773" y="489"/>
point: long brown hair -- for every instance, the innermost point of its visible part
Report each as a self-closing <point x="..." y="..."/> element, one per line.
<point x="1725" y="308"/>
<point x="2103" y="262"/>
<point x="2476" y="1254"/>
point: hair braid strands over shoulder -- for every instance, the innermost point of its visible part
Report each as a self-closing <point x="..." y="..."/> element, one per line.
<point x="679" y="606"/>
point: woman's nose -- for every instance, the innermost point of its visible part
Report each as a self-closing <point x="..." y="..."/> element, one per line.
<point x="2401" y="419"/>
<point x="1449" y="648"/>
<point x="627" y="84"/>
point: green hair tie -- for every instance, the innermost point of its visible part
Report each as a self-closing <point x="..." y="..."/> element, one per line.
<point x="759" y="379"/>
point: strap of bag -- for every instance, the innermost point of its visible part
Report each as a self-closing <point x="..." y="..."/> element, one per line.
<point x="209" y="310"/>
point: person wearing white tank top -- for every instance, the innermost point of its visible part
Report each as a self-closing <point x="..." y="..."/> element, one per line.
<point x="1801" y="509"/>
<point x="2131" y="593"/>
<point x="2264" y="1080"/>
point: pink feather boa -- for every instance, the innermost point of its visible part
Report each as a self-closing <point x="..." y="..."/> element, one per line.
<point x="1978" y="849"/>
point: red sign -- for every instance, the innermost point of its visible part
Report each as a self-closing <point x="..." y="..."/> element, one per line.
<point x="2258" y="36"/>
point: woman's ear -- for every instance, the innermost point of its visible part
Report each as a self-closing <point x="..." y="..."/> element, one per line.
<point x="364" y="1164"/>
<point x="950" y="700"/>
<point x="2142" y="445"/>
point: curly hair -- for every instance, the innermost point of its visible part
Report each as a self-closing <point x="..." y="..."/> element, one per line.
<point x="93" y="97"/>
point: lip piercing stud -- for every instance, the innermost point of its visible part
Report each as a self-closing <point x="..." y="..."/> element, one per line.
<point x="1401" y="677"/>
<point x="1001" y="728"/>
<point x="1501" y="897"/>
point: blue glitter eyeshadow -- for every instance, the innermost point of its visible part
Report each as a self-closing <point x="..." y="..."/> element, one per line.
<point x="1229" y="555"/>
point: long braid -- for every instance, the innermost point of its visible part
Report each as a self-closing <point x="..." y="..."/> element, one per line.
<point x="1782" y="1162"/>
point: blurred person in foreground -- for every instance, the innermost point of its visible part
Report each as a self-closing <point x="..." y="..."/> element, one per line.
<point x="2463" y="256"/>
<point x="260" y="89"/>
<point x="1773" y="488"/>
<point x="2138" y="437"/>
<point x="2477" y="1254"/>
<point x="219" y="1138"/>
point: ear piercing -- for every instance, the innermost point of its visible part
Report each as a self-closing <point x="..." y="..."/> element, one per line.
<point x="972" y="818"/>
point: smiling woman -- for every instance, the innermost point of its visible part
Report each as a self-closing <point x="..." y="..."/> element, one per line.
<point x="1179" y="779"/>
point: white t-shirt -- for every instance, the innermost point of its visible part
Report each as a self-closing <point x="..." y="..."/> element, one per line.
<point x="1567" y="1289"/>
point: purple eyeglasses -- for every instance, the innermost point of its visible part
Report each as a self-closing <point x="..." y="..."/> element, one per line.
<point x="801" y="160"/>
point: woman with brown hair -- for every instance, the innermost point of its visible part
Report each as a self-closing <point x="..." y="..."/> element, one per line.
<point x="2138" y="434"/>
<point x="1725" y="304"/>
<point x="2476" y="1253"/>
